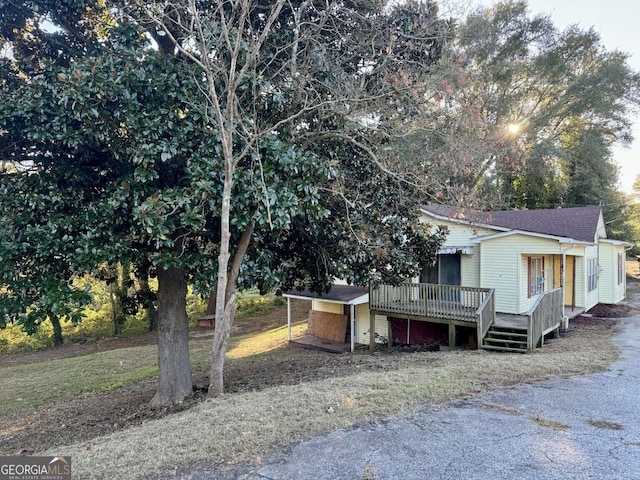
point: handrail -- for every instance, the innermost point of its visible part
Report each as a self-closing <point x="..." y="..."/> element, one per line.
<point x="449" y="302"/>
<point x="544" y="315"/>
<point x="486" y="315"/>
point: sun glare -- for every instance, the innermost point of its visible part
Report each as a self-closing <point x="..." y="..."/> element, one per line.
<point x="513" y="127"/>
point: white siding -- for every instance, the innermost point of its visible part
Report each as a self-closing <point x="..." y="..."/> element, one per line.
<point x="581" y="282"/>
<point x="609" y="290"/>
<point x="362" y="324"/>
<point x="504" y="267"/>
<point x="470" y="269"/>
<point x="329" y="307"/>
<point x="590" y="298"/>
<point x="459" y="234"/>
<point x="608" y="273"/>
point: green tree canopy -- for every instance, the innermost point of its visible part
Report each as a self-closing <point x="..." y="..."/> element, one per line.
<point x="570" y="98"/>
<point x="176" y="138"/>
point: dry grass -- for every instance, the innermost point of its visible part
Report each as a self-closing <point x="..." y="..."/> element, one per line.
<point x="244" y="427"/>
<point x="501" y="408"/>
<point x="605" y="425"/>
<point x="551" y="424"/>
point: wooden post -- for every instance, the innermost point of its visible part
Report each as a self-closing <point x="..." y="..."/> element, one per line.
<point x="452" y="336"/>
<point x="289" y="318"/>
<point x="389" y="336"/>
<point x="353" y="327"/>
<point x="372" y="332"/>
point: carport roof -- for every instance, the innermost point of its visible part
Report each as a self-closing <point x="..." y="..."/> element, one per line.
<point x="347" y="294"/>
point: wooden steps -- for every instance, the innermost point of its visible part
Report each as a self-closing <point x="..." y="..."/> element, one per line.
<point x="505" y="339"/>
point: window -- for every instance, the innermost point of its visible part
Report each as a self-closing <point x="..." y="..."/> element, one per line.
<point x="621" y="268"/>
<point x="536" y="275"/>
<point x="592" y="274"/>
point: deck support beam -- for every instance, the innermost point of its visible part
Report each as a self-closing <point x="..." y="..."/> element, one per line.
<point x="452" y="336"/>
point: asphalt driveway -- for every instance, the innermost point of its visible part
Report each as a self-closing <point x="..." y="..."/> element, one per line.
<point x="585" y="427"/>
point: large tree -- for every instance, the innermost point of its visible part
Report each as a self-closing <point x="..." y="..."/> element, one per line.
<point x="560" y="95"/>
<point x="221" y="143"/>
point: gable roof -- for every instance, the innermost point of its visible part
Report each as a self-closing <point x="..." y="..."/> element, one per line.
<point x="579" y="223"/>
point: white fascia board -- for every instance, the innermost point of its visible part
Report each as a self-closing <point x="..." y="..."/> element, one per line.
<point x="532" y="234"/>
<point x="617" y="243"/>
<point x="464" y="221"/>
<point x="354" y="301"/>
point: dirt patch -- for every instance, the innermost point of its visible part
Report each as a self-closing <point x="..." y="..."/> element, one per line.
<point x="604" y="315"/>
<point x="609" y="310"/>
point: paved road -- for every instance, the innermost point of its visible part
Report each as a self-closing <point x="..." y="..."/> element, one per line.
<point x="586" y="427"/>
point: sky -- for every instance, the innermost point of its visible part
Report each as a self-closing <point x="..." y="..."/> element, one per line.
<point x="617" y="22"/>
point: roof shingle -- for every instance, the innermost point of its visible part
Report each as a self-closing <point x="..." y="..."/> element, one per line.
<point x="579" y="223"/>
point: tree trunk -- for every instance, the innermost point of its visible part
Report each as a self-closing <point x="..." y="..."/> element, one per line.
<point x="223" y="327"/>
<point x="150" y="309"/>
<point x="174" y="378"/>
<point x="211" y="301"/>
<point x="123" y="293"/>
<point x="58" y="339"/>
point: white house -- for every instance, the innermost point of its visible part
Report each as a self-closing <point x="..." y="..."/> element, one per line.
<point x="510" y="262"/>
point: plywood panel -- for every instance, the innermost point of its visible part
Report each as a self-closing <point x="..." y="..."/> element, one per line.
<point x="330" y="326"/>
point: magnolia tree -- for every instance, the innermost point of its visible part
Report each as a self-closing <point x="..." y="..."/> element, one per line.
<point x="312" y="75"/>
<point x="213" y="143"/>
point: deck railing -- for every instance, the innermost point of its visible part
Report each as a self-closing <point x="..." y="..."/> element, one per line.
<point x="544" y="316"/>
<point x="486" y="315"/>
<point x="428" y="300"/>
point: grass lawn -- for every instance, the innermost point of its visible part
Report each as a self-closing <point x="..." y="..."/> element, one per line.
<point x="277" y="394"/>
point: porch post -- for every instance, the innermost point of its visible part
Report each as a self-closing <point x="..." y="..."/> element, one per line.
<point x="452" y="336"/>
<point x="372" y="332"/>
<point x="563" y="278"/>
<point x="289" y="318"/>
<point x="353" y="326"/>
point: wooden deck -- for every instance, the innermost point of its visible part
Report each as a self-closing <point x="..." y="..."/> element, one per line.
<point x="428" y="301"/>
<point x="465" y="306"/>
<point x="448" y="304"/>
<point x="508" y="320"/>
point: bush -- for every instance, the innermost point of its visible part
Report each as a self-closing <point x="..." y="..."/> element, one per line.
<point x="252" y="304"/>
<point x="98" y="324"/>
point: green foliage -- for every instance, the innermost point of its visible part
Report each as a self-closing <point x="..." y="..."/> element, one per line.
<point x="130" y="146"/>
<point x="252" y="304"/>
<point x="570" y="98"/>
